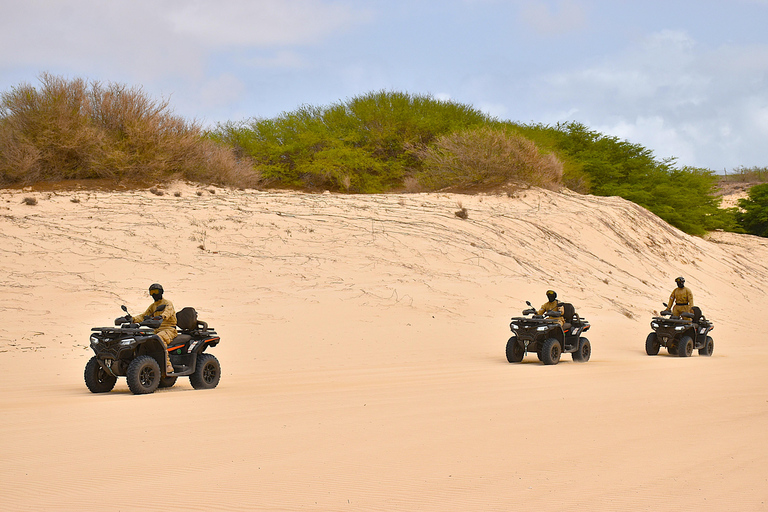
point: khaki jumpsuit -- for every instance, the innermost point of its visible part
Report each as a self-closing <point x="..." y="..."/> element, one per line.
<point x="167" y="329"/>
<point x="553" y="306"/>
<point x="683" y="300"/>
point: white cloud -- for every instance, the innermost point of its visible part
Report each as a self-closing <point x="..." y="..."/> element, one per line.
<point x="566" y="16"/>
<point x="284" y="59"/>
<point x="220" y="91"/>
<point x="654" y="133"/>
<point x="148" y="39"/>
<point x="259" y="23"/>
<point x="704" y="106"/>
<point x="499" y="110"/>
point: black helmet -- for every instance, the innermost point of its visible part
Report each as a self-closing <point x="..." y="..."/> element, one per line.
<point x="680" y="281"/>
<point x="551" y="295"/>
<point x="157" y="289"/>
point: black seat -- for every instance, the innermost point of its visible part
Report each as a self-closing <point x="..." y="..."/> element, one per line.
<point x="180" y="341"/>
<point x="696" y="314"/>
<point x="186" y="319"/>
<point x="569" y="312"/>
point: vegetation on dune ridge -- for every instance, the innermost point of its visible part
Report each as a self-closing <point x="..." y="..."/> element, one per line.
<point x="747" y="175"/>
<point x="378" y="142"/>
<point x="73" y="129"/>
<point x="685" y="197"/>
<point x="752" y="215"/>
<point x="386" y="141"/>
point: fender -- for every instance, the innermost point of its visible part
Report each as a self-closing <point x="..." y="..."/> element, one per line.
<point x="152" y="346"/>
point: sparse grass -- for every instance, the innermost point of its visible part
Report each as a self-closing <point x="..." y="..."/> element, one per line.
<point x="747" y="175"/>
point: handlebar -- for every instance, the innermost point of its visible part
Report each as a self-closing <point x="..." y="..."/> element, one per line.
<point x="154" y="323"/>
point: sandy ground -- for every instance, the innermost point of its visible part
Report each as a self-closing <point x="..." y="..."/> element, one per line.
<point x="363" y="356"/>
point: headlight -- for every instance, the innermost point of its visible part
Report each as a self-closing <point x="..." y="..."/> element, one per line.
<point x="542" y="328"/>
<point x="94" y="340"/>
<point x="654" y="325"/>
<point x="514" y="326"/>
<point x="681" y="328"/>
<point x="127" y="341"/>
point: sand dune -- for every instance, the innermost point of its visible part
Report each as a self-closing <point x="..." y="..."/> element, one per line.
<point x="363" y="355"/>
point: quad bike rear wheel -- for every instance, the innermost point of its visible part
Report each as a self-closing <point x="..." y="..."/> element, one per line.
<point x="96" y="379"/>
<point x="685" y="346"/>
<point x="207" y="372"/>
<point x="584" y="352"/>
<point x="143" y="375"/>
<point x="551" y="351"/>
<point x="515" y="351"/>
<point x="708" y="348"/>
<point x="652" y="344"/>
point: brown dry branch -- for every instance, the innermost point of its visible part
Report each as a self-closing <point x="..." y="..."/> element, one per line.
<point x="486" y="158"/>
<point x="74" y="129"/>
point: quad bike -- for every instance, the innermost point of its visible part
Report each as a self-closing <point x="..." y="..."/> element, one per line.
<point x="544" y="335"/>
<point x="136" y="352"/>
<point x="680" y="334"/>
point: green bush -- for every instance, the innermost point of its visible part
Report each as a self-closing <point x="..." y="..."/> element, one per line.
<point x="378" y="142"/>
<point x="366" y="144"/>
<point x="686" y="197"/>
<point x="753" y="217"/>
<point x="72" y="129"/>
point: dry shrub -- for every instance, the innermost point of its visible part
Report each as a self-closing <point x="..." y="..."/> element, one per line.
<point x="748" y="175"/>
<point x="411" y="184"/>
<point x="73" y="129"/>
<point x="487" y="157"/>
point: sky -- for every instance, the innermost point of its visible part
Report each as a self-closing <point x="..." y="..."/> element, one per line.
<point x="686" y="79"/>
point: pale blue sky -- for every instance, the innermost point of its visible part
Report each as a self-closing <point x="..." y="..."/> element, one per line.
<point x="687" y="79"/>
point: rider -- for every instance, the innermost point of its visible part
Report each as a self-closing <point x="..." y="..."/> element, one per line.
<point x="552" y="304"/>
<point x="681" y="297"/>
<point x="167" y="329"/>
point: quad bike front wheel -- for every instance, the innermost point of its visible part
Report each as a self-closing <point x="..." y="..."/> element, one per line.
<point x="96" y="379"/>
<point x="708" y="348"/>
<point x="652" y="344"/>
<point x="515" y="351"/>
<point x="551" y="351"/>
<point x="685" y="346"/>
<point x="207" y="372"/>
<point x="143" y="375"/>
<point x="584" y="352"/>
